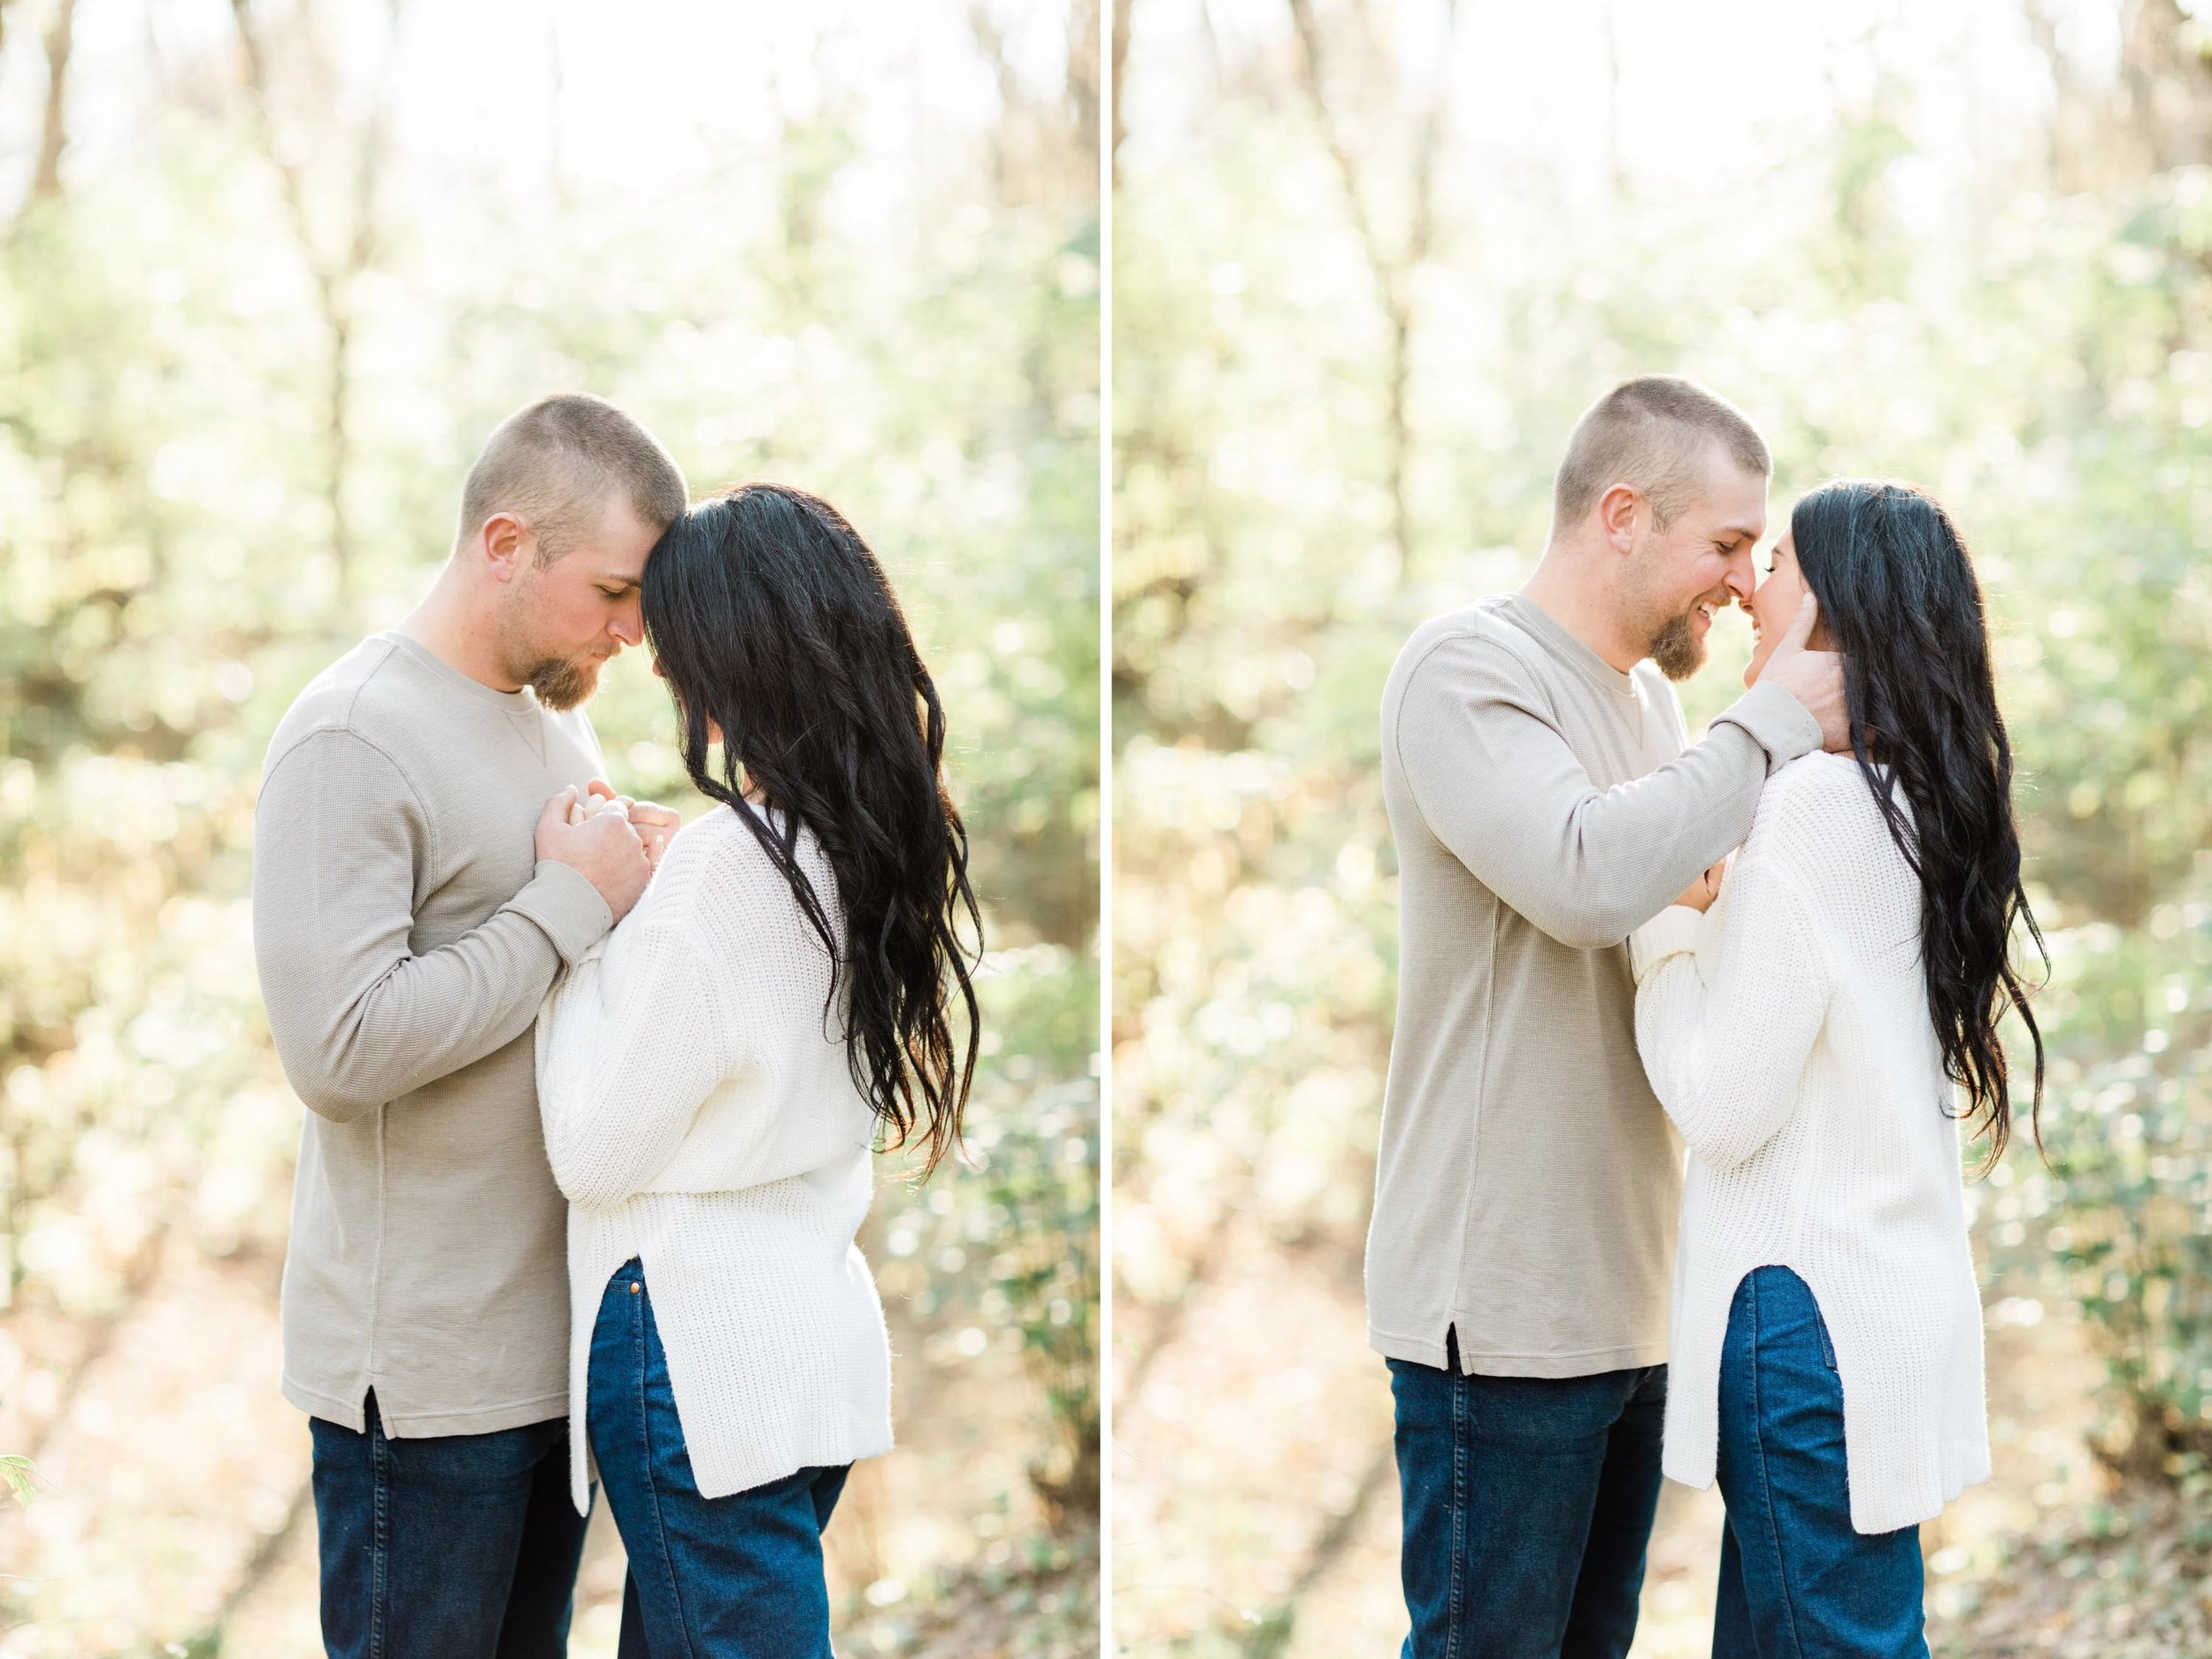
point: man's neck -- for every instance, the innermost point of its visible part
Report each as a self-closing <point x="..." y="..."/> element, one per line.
<point x="455" y="630"/>
<point x="1564" y="589"/>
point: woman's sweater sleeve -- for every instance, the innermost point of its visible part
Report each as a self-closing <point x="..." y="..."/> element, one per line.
<point x="623" y="1071"/>
<point x="1724" y="1052"/>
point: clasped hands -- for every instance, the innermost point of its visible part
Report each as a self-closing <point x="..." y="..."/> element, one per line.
<point x="613" y="842"/>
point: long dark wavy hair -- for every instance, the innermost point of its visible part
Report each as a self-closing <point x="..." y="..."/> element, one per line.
<point x="1897" y="593"/>
<point x="773" y="620"/>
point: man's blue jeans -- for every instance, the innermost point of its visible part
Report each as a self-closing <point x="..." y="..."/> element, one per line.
<point x="1795" y="1581"/>
<point x="1527" y="1504"/>
<point x="464" y="1546"/>
<point x="731" y="1577"/>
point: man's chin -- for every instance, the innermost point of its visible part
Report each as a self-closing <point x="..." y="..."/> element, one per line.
<point x="1678" y="651"/>
<point x="563" y="685"/>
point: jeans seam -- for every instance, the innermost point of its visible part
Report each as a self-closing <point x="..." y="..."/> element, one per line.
<point x="1459" y="1516"/>
<point x="1766" y="1485"/>
<point x="652" y="1483"/>
<point x="381" y="1545"/>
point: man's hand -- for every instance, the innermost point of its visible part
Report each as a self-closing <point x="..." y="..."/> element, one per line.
<point x="1813" y="677"/>
<point x="657" y="825"/>
<point x="601" y="846"/>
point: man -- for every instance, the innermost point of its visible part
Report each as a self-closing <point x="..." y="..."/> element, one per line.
<point x="1544" y="803"/>
<point x="424" y="866"/>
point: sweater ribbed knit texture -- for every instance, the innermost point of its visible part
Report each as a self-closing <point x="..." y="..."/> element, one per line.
<point x="1787" y="1033"/>
<point x="699" y="1115"/>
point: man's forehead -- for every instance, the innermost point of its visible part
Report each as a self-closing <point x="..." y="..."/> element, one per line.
<point x="618" y="549"/>
<point x="1735" y="497"/>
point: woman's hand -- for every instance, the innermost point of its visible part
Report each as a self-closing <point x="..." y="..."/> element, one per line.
<point x="655" y="825"/>
<point x="1705" y="888"/>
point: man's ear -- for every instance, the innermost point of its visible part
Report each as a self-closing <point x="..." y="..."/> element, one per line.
<point x="1616" y="516"/>
<point x="505" y="542"/>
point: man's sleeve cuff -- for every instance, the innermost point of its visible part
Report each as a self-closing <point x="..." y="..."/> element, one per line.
<point x="562" y="902"/>
<point x="1670" y="932"/>
<point x="1777" y="722"/>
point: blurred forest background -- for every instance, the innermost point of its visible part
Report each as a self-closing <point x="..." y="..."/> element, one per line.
<point x="270" y="270"/>
<point x="1370" y="261"/>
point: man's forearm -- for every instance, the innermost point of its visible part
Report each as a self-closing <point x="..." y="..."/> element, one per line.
<point x="358" y="1017"/>
<point x="1626" y="853"/>
<point x="426" y="1018"/>
<point x="1501" y="786"/>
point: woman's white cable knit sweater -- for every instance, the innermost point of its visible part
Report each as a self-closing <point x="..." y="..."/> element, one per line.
<point x="1787" y="1033"/>
<point x="699" y="1115"/>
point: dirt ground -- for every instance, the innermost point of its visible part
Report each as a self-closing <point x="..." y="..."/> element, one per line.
<point x="172" y="1501"/>
<point x="1256" y="1499"/>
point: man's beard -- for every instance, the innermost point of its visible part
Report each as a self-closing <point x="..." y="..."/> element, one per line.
<point x="1677" y="648"/>
<point x="563" y="682"/>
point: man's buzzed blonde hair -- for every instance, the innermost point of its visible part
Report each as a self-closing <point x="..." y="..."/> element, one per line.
<point x="554" y="463"/>
<point x="1652" y="432"/>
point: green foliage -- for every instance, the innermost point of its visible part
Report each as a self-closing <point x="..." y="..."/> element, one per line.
<point x="2041" y="361"/>
<point x="1034" y="1192"/>
<point x="930" y="365"/>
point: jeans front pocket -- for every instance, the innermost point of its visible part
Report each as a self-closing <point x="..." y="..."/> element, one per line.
<point x="1827" y="1347"/>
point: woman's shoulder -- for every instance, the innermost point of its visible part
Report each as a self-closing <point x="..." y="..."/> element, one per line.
<point x="1819" y="807"/>
<point x="1819" y="781"/>
<point x="717" y="866"/>
<point x="1816" y="799"/>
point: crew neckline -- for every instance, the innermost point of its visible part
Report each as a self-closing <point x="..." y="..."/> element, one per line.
<point x="521" y="703"/>
<point x="1534" y="618"/>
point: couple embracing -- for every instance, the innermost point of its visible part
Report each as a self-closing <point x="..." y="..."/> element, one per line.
<point x="1783" y="948"/>
<point x="593" y="1094"/>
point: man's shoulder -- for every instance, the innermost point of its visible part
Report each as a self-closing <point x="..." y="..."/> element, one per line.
<point x="1481" y="637"/>
<point x="361" y="696"/>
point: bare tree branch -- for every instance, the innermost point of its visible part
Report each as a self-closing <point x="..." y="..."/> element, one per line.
<point x="1395" y="268"/>
<point x="335" y="273"/>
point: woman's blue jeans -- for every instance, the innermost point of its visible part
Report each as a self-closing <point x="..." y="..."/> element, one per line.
<point x="731" y="1577"/>
<point x="1795" y="1581"/>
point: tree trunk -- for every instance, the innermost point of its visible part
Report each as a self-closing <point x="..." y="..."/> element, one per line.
<point x="1393" y="267"/>
<point x="2168" y="83"/>
<point x="334" y="275"/>
<point x="54" y="133"/>
<point x="1119" y="47"/>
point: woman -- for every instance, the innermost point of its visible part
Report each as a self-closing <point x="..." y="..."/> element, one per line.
<point x="712" y="1083"/>
<point x="1807" y="1037"/>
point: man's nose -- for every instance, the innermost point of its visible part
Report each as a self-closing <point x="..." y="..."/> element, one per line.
<point x="628" y="625"/>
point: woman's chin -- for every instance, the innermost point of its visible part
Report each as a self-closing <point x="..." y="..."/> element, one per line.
<point x="1760" y="652"/>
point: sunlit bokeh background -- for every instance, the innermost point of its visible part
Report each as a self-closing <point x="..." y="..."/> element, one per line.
<point x="270" y="270"/>
<point x="1371" y="258"/>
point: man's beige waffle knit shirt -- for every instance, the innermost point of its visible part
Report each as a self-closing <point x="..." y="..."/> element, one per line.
<point x="405" y="936"/>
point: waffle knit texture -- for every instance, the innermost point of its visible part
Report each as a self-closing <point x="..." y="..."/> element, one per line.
<point x="1788" y="1035"/>
<point x="700" y="1116"/>
<point x="1543" y="804"/>
<point x="404" y="934"/>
